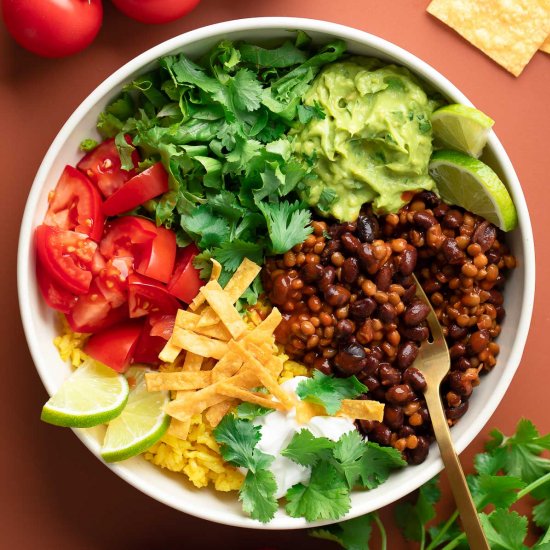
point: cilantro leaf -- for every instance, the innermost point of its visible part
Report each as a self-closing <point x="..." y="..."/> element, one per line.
<point x="125" y="151"/>
<point x="257" y="494"/>
<point x="501" y="491"/>
<point x="250" y="411"/>
<point x="329" y="391"/>
<point x="231" y="253"/>
<point x="348" y="451"/>
<point x="353" y="534"/>
<point x="411" y="518"/>
<point x="287" y="224"/>
<point x="504" y="530"/>
<point x="209" y="230"/>
<point x="541" y="514"/>
<point x="246" y="90"/>
<point x="88" y="145"/>
<point x="325" y="497"/>
<point x="306" y="449"/>
<point x="377" y="463"/>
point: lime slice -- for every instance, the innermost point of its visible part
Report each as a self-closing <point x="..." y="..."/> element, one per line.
<point x="92" y="395"/>
<point x="461" y="128"/>
<point x="142" y="422"/>
<point x="470" y="183"/>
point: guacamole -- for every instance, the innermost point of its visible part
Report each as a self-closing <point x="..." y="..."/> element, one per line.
<point x="374" y="142"/>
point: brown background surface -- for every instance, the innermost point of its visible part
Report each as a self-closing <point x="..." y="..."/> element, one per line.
<point x="53" y="492"/>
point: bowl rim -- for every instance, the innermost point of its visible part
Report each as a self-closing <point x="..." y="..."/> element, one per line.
<point x="384" y="47"/>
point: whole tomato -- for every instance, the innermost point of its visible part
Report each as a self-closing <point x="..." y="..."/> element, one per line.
<point x="53" y="28"/>
<point x="155" y="11"/>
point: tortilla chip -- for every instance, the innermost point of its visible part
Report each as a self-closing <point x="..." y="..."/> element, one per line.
<point x="159" y="381"/>
<point x="546" y="45"/>
<point x="220" y="302"/>
<point x="262" y="399"/>
<point x="362" y="409"/>
<point x="215" y="413"/>
<point x="200" y="345"/>
<point x="198" y="300"/>
<point x="508" y="31"/>
<point x="242" y="279"/>
<point x="193" y="362"/>
<point x="305" y="411"/>
<point x="191" y="321"/>
<point x="266" y="328"/>
<point x="226" y="367"/>
<point x="179" y="428"/>
<point x="169" y="352"/>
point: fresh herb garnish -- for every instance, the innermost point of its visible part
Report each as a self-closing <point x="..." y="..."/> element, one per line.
<point x="88" y="145"/>
<point x="329" y="391"/>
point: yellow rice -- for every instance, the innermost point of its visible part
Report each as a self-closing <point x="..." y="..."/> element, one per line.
<point x="198" y="457"/>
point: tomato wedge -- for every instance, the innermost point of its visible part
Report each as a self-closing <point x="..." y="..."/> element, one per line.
<point x="149" y="346"/>
<point x="93" y="312"/>
<point x="153" y="248"/>
<point x="185" y="282"/>
<point x="103" y="167"/>
<point x="66" y="256"/>
<point x="162" y="325"/>
<point x="115" y="346"/>
<point x="75" y="205"/>
<point x="146" y="296"/>
<point x="56" y="296"/>
<point x="145" y="186"/>
<point x="112" y="280"/>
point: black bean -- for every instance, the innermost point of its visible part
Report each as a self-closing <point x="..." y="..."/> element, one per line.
<point x="406" y="354"/>
<point x="372" y="364"/>
<point x="350" y="270"/>
<point x="415" y="379"/>
<point x="386" y="313"/>
<point x="416" y="313"/>
<point x="417" y="333"/>
<point x="409" y="294"/>
<point x="367" y="228"/>
<point x="454" y="413"/>
<point x="328" y="277"/>
<point x="419" y="453"/>
<point x="393" y="417"/>
<point x="485" y="235"/>
<point x="389" y="376"/>
<point x="407" y="260"/>
<point x="311" y="272"/>
<point x="457" y="350"/>
<point x="380" y="434"/>
<point x="350" y="243"/>
<point x="462" y="364"/>
<point x="323" y="364"/>
<point x="456" y="332"/>
<point x="452" y="252"/>
<point x="383" y="278"/>
<point x="361" y="309"/>
<point x="429" y="198"/>
<point x="424" y="219"/>
<point x="400" y="394"/>
<point x="452" y="219"/>
<point x="495" y="297"/>
<point x="351" y="359"/>
<point x="370" y="381"/>
<point x="337" y="295"/>
<point x="344" y="329"/>
<point x="366" y="257"/>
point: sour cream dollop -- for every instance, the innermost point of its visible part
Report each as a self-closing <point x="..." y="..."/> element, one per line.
<point x="278" y="428"/>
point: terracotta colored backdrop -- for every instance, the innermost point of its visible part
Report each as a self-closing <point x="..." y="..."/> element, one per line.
<point x="54" y="493"/>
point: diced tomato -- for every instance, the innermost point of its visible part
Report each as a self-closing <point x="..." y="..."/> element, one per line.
<point x="56" y="296"/>
<point x="147" y="296"/>
<point x="66" y="256"/>
<point x="149" y="346"/>
<point x="185" y="282"/>
<point x="162" y="325"/>
<point x="112" y="280"/>
<point x="93" y="312"/>
<point x="75" y="205"/>
<point x="103" y="167"/>
<point x="145" y="186"/>
<point x="153" y="248"/>
<point x="115" y="346"/>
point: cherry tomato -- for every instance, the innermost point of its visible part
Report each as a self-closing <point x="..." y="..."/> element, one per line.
<point x="56" y="296"/>
<point x="66" y="256"/>
<point x="53" y="28"/>
<point x="145" y="186"/>
<point x="153" y="248"/>
<point x="103" y="167"/>
<point x="146" y="296"/>
<point x="115" y="346"/>
<point x="149" y="346"/>
<point x="75" y="204"/>
<point x="155" y="11"/>
<point x="185" y="282"/>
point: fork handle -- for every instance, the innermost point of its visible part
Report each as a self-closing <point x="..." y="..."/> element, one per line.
<point x="459" y="487"/>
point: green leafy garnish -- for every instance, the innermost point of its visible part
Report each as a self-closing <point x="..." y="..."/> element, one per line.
<point x="250" y="411"/>
<point x="88" y="145"/>
<point x="329" y="391"/>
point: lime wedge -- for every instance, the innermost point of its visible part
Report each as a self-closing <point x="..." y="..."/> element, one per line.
<point x="461" y="128"/>
<point x="142" y="422"/>
<point x="470" y="183"/>
<point x="92" y="395"/>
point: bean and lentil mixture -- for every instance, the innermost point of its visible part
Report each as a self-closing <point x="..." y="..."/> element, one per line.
<point x="350" y="308"/>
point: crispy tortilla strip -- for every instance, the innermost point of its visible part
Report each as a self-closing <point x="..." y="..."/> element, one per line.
<point x="266" y="328"/>
<point x="196" y="402"/>
<point x="198" y="344"/>
<point x="509" y="32"/>
<point x="169" y="352"/>
<point x="159" y="381"/>
<point x="362" y="409"/>
<point x="215" y="413"/>
<point x="228" y="366"/>
<point x="242" y="279"/>
<point x="546" y="45"/>
<point x="179" y="428"/>
<point x="262" y="399"/>
<point x="305" y="411"/>
<point x="190" y="321"/>
<point x="198" y="300"/>
<point x="219" y="301"/>
<point x="193" y="362"/>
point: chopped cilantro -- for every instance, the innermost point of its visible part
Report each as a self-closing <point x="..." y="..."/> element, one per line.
<point x="250" y="411"/>
<point x="88" y="145"/>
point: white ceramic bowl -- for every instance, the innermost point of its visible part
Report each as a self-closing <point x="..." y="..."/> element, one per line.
<point x="38" y="320"/>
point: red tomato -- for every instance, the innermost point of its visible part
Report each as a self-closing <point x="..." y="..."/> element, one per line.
<point x="145" y="186"/>
<point x="103" y="167"/>
<point x="53" y="28"/>
<point x="56" y="296"/>
<point x="155" y="11"/>
<point x="146" y="296"/>
<point x="162" y="325"/>
<point x="149" y="346"/>
<point x="75" y="204"/>
<point x="185" y="282"/>
<point x="153" y="248"/>
<point x="66" y="256"/>
<point x="112" y="280"/>
<point x="115" y="346"/>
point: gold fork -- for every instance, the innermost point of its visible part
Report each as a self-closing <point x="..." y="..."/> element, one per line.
<point x="434" y="363"/>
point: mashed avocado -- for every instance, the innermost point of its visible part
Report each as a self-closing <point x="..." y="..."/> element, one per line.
<point x="374" y="143"/>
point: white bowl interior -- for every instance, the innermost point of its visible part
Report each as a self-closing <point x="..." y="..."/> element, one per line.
<point x="38" y="320"/>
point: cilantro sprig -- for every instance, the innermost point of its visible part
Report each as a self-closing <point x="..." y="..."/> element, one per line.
<point x="510" y="469"/>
